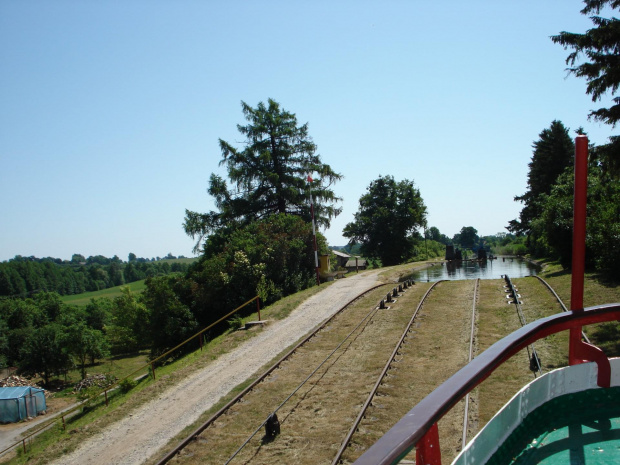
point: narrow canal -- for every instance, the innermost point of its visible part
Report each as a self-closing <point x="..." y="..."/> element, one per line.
<point x="514" y="267"/>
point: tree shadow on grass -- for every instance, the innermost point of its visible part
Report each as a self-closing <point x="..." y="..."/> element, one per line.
<point x="605" y="280"/>
<point x="606" y="336"/>
<point x="555" y="274"/>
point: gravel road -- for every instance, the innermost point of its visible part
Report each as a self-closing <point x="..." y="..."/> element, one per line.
<point x="141" y="434"/>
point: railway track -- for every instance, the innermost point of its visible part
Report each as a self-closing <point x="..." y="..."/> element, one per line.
<point x="334" y="394"/>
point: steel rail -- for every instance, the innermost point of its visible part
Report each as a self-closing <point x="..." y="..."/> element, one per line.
<point x="373" y="391"/>
<point x="413" y="427"/>
<point x="471" y="356"/>
<point x="533" y="355"/>
<point x="259" y="379"/>
<point x="564" y="308"/>
<point x="364" y="321"/>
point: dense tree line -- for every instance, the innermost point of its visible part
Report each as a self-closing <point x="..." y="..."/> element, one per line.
<point x="270" y="258"/>
<point x="467" y="239"/>
<point x="24" y="276"/>
<point x="546" y="219"/>
<point x="43" y="335"/>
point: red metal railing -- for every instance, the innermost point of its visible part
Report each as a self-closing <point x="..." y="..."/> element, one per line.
<point x="419" y="426"/>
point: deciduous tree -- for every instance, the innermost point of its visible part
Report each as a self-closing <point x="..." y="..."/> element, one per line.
<point x="468" y="237"/>
<point x="84" y="343"/>
<point x="603" y="221"/>
<point x="129" y="330"/>
<point x="389" y="214"/>
<point x="170" y="320"/>
<point x="44" y="352"/>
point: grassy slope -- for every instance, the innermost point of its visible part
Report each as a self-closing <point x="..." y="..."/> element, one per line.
<point x="110" y="293"/>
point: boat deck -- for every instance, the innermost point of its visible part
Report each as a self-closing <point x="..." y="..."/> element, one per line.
<point x="578" y="428"/>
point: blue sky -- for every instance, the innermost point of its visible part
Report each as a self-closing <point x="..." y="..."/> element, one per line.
<point x="110" y="112"/>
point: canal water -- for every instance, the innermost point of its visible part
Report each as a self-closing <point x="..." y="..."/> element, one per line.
<point x="514" y="267"/>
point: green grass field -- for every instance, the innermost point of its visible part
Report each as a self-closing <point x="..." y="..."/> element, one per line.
<point x="180" y="260"/>
<point x="84" y="299"/>
<point x="135" y="287"/>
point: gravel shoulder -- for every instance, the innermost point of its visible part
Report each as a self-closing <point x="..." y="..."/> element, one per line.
<point x="140" y="435"/>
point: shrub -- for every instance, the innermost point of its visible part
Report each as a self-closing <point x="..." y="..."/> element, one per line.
<point x="127" y="385"/>
<point x="235" y="323"/>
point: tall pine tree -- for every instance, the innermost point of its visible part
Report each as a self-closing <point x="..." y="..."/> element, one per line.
<point x="269" y="175"/>
<point x="553" y="152"/>
<point x="600" y="46"/>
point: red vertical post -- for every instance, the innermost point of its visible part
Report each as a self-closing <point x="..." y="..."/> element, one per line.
<point x="153" y="370"/>
<point x="579" y="241"/>
<point x="258" y="307"/>
<point x="427" y="450"/>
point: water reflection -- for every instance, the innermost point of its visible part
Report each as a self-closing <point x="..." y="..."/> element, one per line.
<point x="488" y="269"/>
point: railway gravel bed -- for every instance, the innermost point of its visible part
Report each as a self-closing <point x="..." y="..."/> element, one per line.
<point x="357" y="344"/>
<point x="436" y="348"/>
<point x="317" y="417"/>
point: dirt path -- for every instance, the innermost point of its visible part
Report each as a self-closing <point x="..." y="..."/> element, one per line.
<point x="140" y="435"/>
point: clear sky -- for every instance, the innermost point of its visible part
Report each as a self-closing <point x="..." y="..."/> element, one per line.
<point x="110" y="112"/>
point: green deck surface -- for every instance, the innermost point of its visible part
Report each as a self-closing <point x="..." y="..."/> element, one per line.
<point x="576" y="429"/>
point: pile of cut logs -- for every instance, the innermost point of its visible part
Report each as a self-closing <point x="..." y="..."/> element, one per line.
<point x="16" y="381"/>
<point x="100" y="381"/>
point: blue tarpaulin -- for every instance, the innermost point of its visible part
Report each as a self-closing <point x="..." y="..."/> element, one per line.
<point x="19" y="403"/>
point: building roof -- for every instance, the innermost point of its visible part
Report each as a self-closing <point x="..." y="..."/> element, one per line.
<point x="16" y="392"/>
<point x="340" y="254"/>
